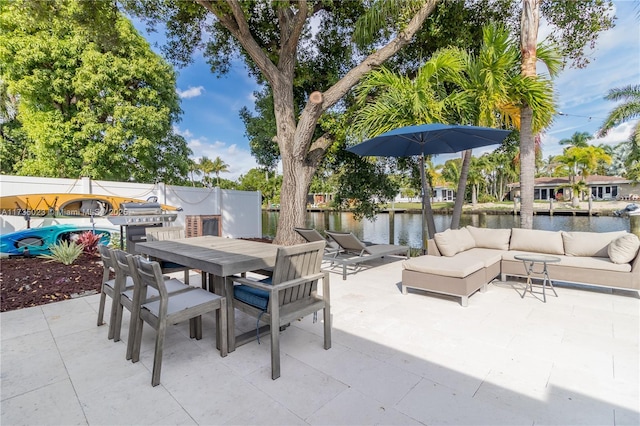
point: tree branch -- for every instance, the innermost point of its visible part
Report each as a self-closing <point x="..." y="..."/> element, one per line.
<point x="319" y="147"/>
<point x="289" y="44"/>
<point x="237" y="25"/>
<point x="338" y="90"/>
<point x="312" y="111"/>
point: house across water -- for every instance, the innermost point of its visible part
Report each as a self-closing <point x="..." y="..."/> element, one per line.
<point x="599" y="187"/>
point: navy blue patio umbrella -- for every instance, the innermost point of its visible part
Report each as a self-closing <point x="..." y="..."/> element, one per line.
<point x="428" y="139"/>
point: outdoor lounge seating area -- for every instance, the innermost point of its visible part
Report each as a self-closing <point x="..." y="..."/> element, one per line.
<point x="393" y="360"/>
<point x="463" y="261"/>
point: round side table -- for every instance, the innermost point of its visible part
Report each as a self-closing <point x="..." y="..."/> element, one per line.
<point x="529" y="261"/>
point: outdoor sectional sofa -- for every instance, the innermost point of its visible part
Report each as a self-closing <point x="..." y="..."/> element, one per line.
<point x="461" y="262"/>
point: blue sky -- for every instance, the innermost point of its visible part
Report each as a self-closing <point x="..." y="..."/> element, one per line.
<point x="212" y="127"/>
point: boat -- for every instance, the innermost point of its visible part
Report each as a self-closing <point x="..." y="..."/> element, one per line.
<point x="71" y="205"/>
<point x="37" y="241"/>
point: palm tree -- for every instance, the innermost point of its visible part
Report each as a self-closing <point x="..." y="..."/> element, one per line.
<point x="454" y="86"/>
<point x="219" y="166"/>
<point x="494" y="90"/>
<point x="548" y="166"/>
<point x="590" y="157"/>
<point x="402" y="101"/>
<point x="206" y="166"/>
<point x="193" y="169"/>
<point x="627" y="110"/>
<point x="619" y="155"/>
<point x="583" y="161"/>
<point x="530" y="127"/>
<point x="579" y="139"/>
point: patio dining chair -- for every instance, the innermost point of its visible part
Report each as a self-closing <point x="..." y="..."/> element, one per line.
<point x="162" y="233"/>
<point x="111" y="287"/>
<point x="125" y="269"/>
<point x="355" y="251"/>
<point x="290" y="294"/>
<point x="171" y="309"/>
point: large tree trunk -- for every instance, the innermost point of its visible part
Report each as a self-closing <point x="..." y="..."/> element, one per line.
<point x="462" y="186"/>
<point x="296" y="181"/>
<point x="529" y="23"/>
<point x="301" y="155"/>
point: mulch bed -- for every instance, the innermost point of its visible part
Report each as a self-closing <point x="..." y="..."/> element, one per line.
<point x="33" y="281"/>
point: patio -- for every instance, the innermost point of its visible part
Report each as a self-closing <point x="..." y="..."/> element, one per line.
<point x="414" y="359"/>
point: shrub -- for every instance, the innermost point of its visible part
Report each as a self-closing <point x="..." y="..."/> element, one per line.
<point x="486" y="198"/>
<point x="114" y="240"/>
<point x="65" y="252"/>
<point x="89" y="241"/>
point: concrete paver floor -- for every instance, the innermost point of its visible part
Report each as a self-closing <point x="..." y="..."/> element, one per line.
<point x="396" y="359"/>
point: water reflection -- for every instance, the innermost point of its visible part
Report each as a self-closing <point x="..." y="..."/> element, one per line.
<point x="406" y="226"/>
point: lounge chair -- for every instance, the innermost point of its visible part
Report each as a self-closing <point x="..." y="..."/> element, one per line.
<point x="311" y="235"/>
<point x="354" y="251"/>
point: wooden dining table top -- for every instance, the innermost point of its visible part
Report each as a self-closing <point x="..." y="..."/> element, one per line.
<point x="219" y="256"/>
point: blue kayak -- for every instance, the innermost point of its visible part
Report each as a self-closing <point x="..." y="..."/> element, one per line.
<point x="38" y="240"/>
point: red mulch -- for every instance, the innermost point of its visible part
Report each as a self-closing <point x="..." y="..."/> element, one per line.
<point x="26" y="282"/>
<point x="34" y="281"/>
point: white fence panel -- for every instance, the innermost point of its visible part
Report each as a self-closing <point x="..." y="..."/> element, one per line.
<point x="241" y="214"/>
<point x="240" y="210"/>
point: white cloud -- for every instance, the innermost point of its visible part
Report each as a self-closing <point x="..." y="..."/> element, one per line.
<point x="239" y="160"/>
<point x="184" y="133"/>
<point x="191" y="92"/>
<point x="618" y="134"/>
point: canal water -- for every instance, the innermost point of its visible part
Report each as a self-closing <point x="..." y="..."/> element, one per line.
<point x="406" y="227"/>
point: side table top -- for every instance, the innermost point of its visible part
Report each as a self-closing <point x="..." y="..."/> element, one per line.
<point x="541" y="258"/>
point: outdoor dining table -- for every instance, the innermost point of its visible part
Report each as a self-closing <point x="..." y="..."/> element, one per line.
<point x="217" y="258"/>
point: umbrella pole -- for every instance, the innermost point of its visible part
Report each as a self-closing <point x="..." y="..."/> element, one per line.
<point x="428" y="224"/>
<point x="423" y="180"/>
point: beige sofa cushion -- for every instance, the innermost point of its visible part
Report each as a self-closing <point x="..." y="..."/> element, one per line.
<point x="589" y="243"/>
<point x="490" y="238"/>
<point x="454" y="241"/>
<point x="594" y="263"/>
<point x="536" y="241"/>
<point x="444" y="266"/>
<point x="624" y="249"/>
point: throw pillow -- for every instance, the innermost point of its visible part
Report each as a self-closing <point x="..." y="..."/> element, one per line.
<point x="624" y="249"/>
<point x="589" y="244"/>
<point x="490" y="238"/>
<point x="454" y="241"/>
<point x="549" y="242"/>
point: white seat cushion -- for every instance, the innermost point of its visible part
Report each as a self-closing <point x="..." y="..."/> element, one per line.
<point x="442" y="265"/>
<point x="597" y="263"/>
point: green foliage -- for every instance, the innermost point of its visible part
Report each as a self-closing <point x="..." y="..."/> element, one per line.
<point x="264" y="181"/>
<point x="486" y="198"/>
<point x="325" y="53"/>
<point x="260" y="129"/>
<point x="577" y="26"/>
<point x="92" y="98"/>
<point x="89" y="242"/>
<point x="65" y="252"/>
<point x="367" y="188"/>
<point x="114" y="240"/>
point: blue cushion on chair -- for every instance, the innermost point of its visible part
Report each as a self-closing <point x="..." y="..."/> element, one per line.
<point x="253" y="296"/>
